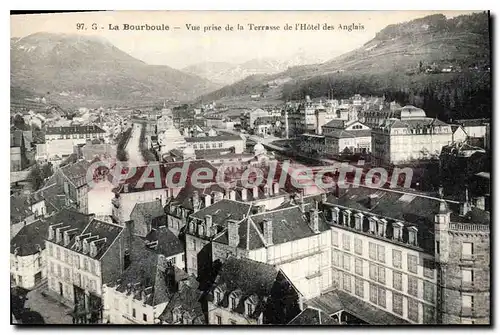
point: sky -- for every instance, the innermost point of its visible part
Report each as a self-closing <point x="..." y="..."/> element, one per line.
<point x="181" y="47"/>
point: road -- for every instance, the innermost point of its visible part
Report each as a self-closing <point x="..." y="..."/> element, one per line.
<point x="134" y="154"/>
<point x="47" y="308"/>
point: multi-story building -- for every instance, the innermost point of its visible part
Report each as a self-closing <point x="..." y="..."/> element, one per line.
<point x="296" y="239"/>
<point x="421" y="259"/>
<point x="412" y="136"/>
<point x="27" y="255"/>
<point x="220" y="141"/>
<point x="246" y="292"/>
<point x="62" y="140"/>
<point x="142" y="292"/>
<point x="73" y="179"/>
<point x="351" y="136"/>
<point x="83" y="255"/>
<point x="475" y="128"/>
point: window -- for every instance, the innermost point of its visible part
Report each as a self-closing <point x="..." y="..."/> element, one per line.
<point x="397" y="281"/>
<point x="77" y="261"/>
<point x="396" y="258"/>
<point x="218" y="319"/>
<point x="372" y="249"/>
<point x="59" y="270"/>
<point x="381" y="275"/>
<point x="429" y="315"/>
<point x="335" y="258"/>
<point x="429" y="292"/>
<point x="39" y="261"/>
<point x="381" y="253"/>
<point x="172" y="260"/>
<point x="358" y="266"/>
<point x="358" y="246"/>
<point x="397" y="303"/>
<point x="133" y="312"/>
<point x="467" y="304"/>
<point x="85" y="264"/>
<point x="144" y="317"/>
<point x="92" y="267"/>
<point x="51" y="251"/>
<point x="335" y="238"/>
<point x="381" y="297"/>
<point x="373" y="271"/>
<point x="346" y="242"/>
<point x="66" y="273"/>
<point x="373" y="293"/>
<point x="346" y="282"/>
<point x="467" y="276"/>
<point x="249" y="308"/>
<point x="412" y="310"/>
<point x="437" y="247"/>
<point x="233" y="302"/>
<point x="58" y="253"/>
<point x="358" y="287"/>
<point x="467" y="250"/>
<point x="413" y="286"/>
<point x="194" y="245"/>
<point x="429" y="268"/>
<point x="347" y="262"/>
<point x="218" y="297"/>
<point x="412" y="263"/>
<point x="66" y="256"/>
<point x="51" y="267"/>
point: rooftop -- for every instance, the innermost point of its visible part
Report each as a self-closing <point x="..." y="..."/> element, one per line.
<point x="167" y="243"/>
<point x="30" y="239"/>
<point x="312" y="317"/>
<point x="224" y="210"/>
<point x="335" y="301"/>
<point x="93" y="129"/>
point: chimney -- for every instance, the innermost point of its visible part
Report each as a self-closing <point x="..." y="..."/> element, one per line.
<point x="480" y="203"/>
<point x="208" y="224"/>
<point x="266" y="190"/>
<point x="371" y="200"/>
<point x="232" y="195"/>
<point x="267" y="228"/>
<point x="208" y="200"/>
<point x="255" y="190"/>
<point x="276" y="188"/>
<point x="196" y="200"/>
<point x="232" y="233"/>
<point x="314" y="220"/>
<point x="465" y="206"/>
<point x="244" y="195"/>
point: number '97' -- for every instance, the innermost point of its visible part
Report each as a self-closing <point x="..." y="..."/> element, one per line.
<point x="81" y="26"/>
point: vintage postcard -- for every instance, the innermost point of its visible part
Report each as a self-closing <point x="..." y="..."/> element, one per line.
<point x="251" y="168"/>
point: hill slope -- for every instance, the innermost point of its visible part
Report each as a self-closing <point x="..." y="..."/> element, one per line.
<point x="389" y="61"/>
<point x="91" y="71"/>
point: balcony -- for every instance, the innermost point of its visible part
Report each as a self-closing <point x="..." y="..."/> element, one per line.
<point x="296" y="256"/>
<point x="470" y="227"/>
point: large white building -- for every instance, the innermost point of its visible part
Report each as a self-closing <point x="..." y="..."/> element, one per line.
<point x="411" y="136"/>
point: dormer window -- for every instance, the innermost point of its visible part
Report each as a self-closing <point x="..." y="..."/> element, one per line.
<point x="358" y="221"/>
<point x="93" y="249"/>
<point x="373" y="225"/>
<point x="58" y="235"/>
<point x="249" y="308"/>
<point x="66" y="238"/>
<point x="85" y="247"/>
<point x="201" y="230"/>
<point x="382" y="224"/>
<point x="335" y="215"/>
<point x="219" y="294"/>
<point x="412" y="235"/>
<point x="397" y="231"/>
<point x="347" y="217"/>
<point x="51" y="233"/>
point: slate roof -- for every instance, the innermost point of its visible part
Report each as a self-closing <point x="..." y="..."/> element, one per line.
<point x="186" y="300"/>
<point x="473" y="122"/>
<point x="222" y="211"/>
<point x="77" y="172"/>
<point x="337" y="300"/>
<point x="168" y="243"/>
<point x="312" y="317"/>
<point x="145" y="212"/>
<point x="93" y="129"/>
<point x="248" y="277"/>
<point x="102" y="230"/>
<point x="336" y="124"/>
<point x="30" y="239"/>
<point x="145" y="280"/>
<point x="19" y="208"/>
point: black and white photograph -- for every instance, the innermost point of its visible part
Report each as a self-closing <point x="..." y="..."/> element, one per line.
<point x="251" y="168"/>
